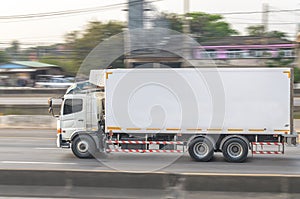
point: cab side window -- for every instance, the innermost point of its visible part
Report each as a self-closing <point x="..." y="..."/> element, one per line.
<point x="72" y="106"/>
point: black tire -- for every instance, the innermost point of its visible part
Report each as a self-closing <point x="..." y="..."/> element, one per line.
<point x="83" y="146"/>
<point x="235" y="150"/>
<point x="201" y="149"/>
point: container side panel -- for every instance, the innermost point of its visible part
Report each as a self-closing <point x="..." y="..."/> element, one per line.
<point x="171" y="100"/>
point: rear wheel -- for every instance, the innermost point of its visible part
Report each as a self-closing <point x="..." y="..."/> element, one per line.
<point x="201" y="149"/>
<point x="235" y="150"/>
<point x="83" y="146"/>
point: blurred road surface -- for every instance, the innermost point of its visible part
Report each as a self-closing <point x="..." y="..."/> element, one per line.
<point x="36" y="149"/>
<point x="37" y="192"/>
<point x="24" y="100"/>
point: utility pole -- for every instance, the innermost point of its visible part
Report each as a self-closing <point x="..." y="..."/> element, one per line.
<point x="297" y="46"/>
<point x="265" y="17"/>
<point x="186" y="31"/>
<point x="186" y="10"/>
<point x="186" y="6"/>
<point x="265" y="22"/>
<point x="135" y="14"/>
<point x="135" y="20"/>
<point x="297" y="50"/>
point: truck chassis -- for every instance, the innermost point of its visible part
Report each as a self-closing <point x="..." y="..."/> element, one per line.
<point x="201" y="147"/>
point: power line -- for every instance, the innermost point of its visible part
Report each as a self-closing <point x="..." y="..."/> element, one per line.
<point x="255" y="12"/>
<point x="69" y="12"/>
<point x="259" y="23"/>
<point x="112" y="6"/>
<point x="249" y="19"/>
<point x="58" y="13"/>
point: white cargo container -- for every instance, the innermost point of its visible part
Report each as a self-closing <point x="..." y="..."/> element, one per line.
<point x="203" y="110"/>
<point x="247" y="98"/>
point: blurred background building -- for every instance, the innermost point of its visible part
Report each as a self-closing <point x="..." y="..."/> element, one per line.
<point x="26" y="73"/>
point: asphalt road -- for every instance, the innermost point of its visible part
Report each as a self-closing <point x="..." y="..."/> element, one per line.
<point x="36" y="149"/>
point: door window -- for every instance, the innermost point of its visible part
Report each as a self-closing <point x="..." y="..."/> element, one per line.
<point x="72" y="106"/>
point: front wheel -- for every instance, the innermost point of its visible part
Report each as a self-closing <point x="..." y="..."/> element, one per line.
<point x="201" y="149"/>
<point x="83" y="146"/>
<point x="235" y="150"/>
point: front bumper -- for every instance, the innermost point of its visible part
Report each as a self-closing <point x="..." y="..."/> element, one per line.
<point x="60" y="143"/>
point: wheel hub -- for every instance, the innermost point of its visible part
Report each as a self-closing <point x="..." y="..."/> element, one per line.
<point x="201" y="149"/>
<point x="82" y="146"/>
<point x="235" y="150"/>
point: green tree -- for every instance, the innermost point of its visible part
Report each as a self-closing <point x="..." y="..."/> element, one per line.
<point x="3" y="57"/>
<point x="296" y="74"/>
<point x="209" y="26"/>
<point x="64" y="62"/>
<point x="96" y="32"/>
<point x="277" y="34"/>
<point x="171" y="20"/>
<point x="202" y="25"/>
<point x="71" y="37"/>
<point x="13" y="50"/>
<point x="259" y="31"/>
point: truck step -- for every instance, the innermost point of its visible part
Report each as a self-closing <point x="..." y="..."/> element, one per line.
<point x="143" y="142"/>
<point x="267" y="152"/>
<point x="144" y="151"/>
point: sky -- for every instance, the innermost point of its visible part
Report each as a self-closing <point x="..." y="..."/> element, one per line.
<point x="50" y="30"/>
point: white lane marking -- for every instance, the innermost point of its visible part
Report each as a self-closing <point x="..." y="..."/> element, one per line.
<point x="46" y="148"/>
<point x="21" y="162"/>
<point x="28" y="138"/>
<point x="243" y="174"/>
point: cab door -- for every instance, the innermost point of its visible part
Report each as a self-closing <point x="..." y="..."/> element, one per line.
<point x="72" y="117"/>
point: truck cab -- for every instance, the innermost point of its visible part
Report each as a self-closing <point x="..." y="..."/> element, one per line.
<point x="80" y="113"/>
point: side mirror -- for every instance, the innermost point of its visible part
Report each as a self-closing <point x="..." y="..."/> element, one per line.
<point x="50" y="102"/>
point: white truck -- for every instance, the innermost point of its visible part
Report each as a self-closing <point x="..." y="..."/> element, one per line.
<point x="198" y="110"/>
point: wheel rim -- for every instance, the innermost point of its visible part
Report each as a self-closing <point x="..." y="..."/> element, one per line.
<point x="235" y="150"/>
<point x="82" y="146"/>
<point x="201" y="149"/>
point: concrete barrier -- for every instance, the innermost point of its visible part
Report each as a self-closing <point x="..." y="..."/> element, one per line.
<point x="28" y="91"/>
<point x="163" y="181"/>
<point x="296" y="92"/>
<point x="27" y="109"/>
<point x="243" y="183"/>
<point x="27" y="121"/>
